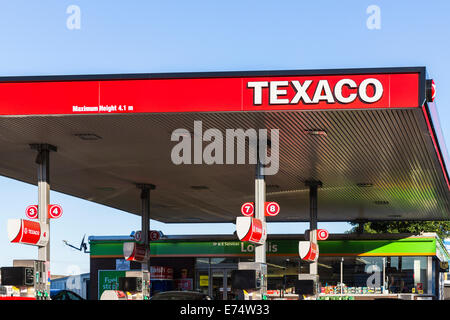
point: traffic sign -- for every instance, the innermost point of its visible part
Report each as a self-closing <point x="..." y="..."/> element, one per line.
<point x="32" y="212"/>
<point x="271" y="209"/>
<point x="54" y="211"/>
<point x="248" y="209"/>
<point x="322" y="234"/>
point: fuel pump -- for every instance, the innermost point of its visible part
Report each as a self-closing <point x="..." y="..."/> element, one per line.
<point x="134" y="285"/>
<point x="28" y="276"/>
<point x="250" y="277"/>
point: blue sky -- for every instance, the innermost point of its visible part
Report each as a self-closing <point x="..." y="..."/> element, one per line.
<point x="179" y="36"/>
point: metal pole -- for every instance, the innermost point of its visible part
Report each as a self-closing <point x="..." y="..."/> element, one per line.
<point x="313" y="186"/>
<point x="384" y="275"/>
<point x="145" y="230"/>
<point x="342" y="273"/>
<point x="43" y="174"/>
<point x="260" y="199"/>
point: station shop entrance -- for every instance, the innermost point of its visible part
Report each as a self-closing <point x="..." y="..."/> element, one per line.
<point x="216" y="282"/>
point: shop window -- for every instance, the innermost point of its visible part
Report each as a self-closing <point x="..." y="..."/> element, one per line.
<point x="218" y="261"/>
<point x="199" y="262"/>
<point x="282" y="273"/>
<point x="407" y="274"/>
<point x="329" y="269"/>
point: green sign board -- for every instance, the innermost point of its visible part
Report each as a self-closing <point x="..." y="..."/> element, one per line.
<point x="108" y="280"/>
<point x="412" y="246"/>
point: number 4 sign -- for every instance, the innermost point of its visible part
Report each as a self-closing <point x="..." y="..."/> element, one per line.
<point x="54" y="211"/>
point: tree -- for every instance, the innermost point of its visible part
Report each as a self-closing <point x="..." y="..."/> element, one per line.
<point x="442" y="228"/>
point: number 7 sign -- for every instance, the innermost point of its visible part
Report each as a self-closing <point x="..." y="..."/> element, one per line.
<point x="247" y="209"/>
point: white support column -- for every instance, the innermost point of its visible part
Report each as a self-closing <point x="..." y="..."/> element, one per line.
<point x="43" y="162"/>
<point x="260" y="199"/>
<point x="145" y="231"/>
<point x="313" y="186"/>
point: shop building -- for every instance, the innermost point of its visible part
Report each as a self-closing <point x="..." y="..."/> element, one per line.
<point x="407" y="266"/>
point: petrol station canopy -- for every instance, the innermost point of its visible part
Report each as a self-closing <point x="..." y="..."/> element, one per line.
<point x="371" y="136"/>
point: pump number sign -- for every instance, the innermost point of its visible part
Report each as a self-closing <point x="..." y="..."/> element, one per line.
<point x="248" y="209"/>
<point x="32" y="212"/>
<point x="54" y="211"/>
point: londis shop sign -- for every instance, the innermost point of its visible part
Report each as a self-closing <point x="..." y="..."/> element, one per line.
<point x="425" y="246"/>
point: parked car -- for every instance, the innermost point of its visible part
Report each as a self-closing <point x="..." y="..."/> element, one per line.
<point x="58" y="294"/>
<point x="180" y="295"/>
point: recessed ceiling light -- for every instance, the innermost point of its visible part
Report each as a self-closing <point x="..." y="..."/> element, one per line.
<point x="106" y="189"/>
<point x="316" y="132"/>
<point x="365" y="184"/>
<point x="199" y="187"/>
<point x="88" y="136"/>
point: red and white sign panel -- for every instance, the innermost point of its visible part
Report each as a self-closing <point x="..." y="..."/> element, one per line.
<point x="32" y="212"/>
<point x="54" y="211"/>
<point x="28" y="232"/>
<point x="308" y="251"/>
<point x="271" y="209"/>
<point x="322" y="234"/>
<point x="433" y="90"/>
<point x="133" y="251"/>
<point x="248" y="209"/>
<point x="161" y="273"/>
<point x="251" y="230"/>
<point x="213" y="93"/>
